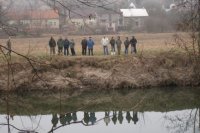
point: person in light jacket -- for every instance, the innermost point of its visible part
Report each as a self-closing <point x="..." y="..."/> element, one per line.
<point x="105" y="42"/>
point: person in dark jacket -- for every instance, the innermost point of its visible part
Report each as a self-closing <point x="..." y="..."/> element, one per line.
<point x="135" y="117"/>
<point x="114" y="118"/>
<point x="133" y="42"/>
<point x="9" y="46"/>
<point x="118" y="43"/>
<point x="86" y="118"/>
<point x="120" y="117"/>
<point x="128" y="117"/>
<point x="92" y="118"/>
<point x="52" y="45"/>
<point x="72" y="47"/>
<point x="66" y="47"/>
<point x="60" y="44"/>
<point x="74" y="116"/>
<point x="84" y="46"/>
<point x="90" y="45"/>
<point x="54" y="120"/>
<point x="112" y="43"/>
<point x="126" y="44"/>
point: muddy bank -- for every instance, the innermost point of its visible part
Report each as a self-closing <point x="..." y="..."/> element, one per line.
<point x="84" y="73"/>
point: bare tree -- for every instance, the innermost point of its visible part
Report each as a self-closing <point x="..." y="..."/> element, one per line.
<point x="190" y="23"/>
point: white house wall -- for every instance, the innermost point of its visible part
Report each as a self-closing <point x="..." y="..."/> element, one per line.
<point x="41" y="23"/>
<point x="53" y="23"/>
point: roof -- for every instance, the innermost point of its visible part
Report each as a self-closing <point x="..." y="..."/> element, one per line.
<point x="134" y="12"/>
<point x="41" y="14"/>
<point x="48" y="14"/>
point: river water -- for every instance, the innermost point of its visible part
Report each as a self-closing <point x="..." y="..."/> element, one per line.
<point x="183" y="121"/>
<point x="169" y="112"/>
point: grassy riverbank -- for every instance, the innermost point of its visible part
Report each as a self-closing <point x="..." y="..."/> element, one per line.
<point x="157" y="64"/>
<point x="101" y="73"/>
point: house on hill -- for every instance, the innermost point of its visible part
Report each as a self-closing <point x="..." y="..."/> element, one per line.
<point x="112" y="21"/>
<point x="134" y="17"/>
<point x="35" y="20"/>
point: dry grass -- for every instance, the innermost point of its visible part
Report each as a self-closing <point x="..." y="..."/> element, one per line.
<point x="148" y="43"/>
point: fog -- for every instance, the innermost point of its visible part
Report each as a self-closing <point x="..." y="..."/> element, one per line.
<point x="161" y="17"/>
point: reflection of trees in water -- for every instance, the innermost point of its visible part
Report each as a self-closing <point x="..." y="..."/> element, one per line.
<point x="10" y="117"/>
<point x="190" y="121"/>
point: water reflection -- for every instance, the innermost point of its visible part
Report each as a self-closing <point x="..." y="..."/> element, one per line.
<point x="89" y="118"/>
<point x="60" y="120"/>
<point x="186" y="121"/>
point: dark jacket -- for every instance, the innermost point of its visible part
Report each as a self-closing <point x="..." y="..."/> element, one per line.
<point x="133" y="42"/>
<point x="118" y="42"/>
<point x="52" y="43"/>
<point x="112" y="42"/>
<point x="84" y="43"/>
<point x="60" y="43"/>
<point x="66" y="43"/>
<point x="9" y="44"/>
<point x="126" y="43"/>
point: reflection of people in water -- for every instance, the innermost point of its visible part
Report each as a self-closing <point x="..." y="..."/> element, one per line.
<point x="86" y="118"/>
<point x="107" y="118"/>
<point x="114" y="118"/>
<point x="135" y="117"/>
<point x="68" y="118"/>
<point x="12" y="117"/>
<point x="120" y="117"/>
<point x="128" y="117"/>
<point x="63" y="119"/>
<point x="74" y="117"/>
<point x="92" y="118"/>
<point x="54" y="120"/>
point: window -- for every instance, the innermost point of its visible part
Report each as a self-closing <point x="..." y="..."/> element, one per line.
<point x="137" y="23"/>
<point x="103" y="20"/>
<point x="121" y="21"/>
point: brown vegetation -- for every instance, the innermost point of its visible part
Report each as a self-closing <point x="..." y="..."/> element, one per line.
<point x="157" y="64"/>
<point x="168" y="69"/>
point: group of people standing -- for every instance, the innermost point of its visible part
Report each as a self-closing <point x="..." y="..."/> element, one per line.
<point x="65" y="46"/>
<point x="118" y="44"/>
<point x="62" y="45"/>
